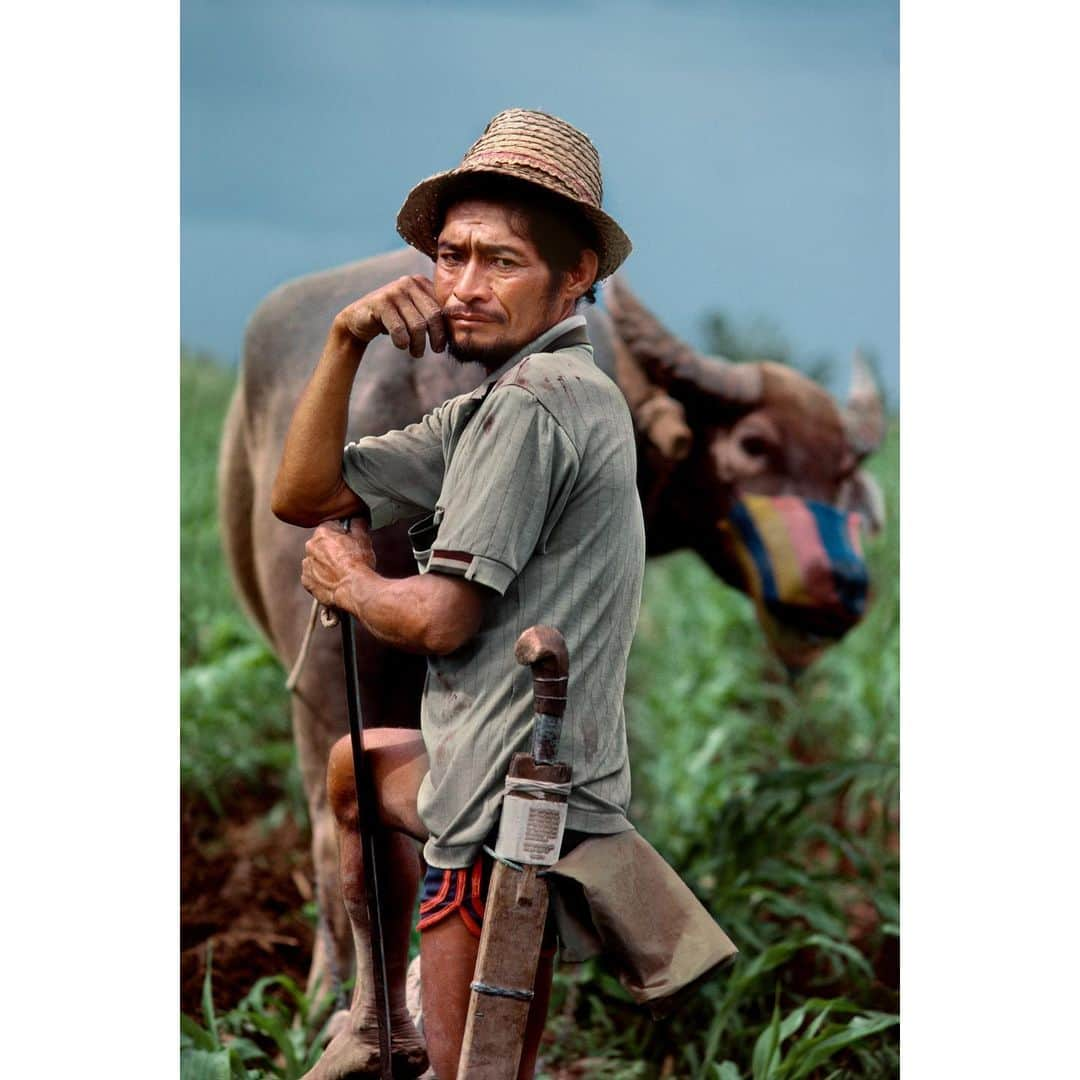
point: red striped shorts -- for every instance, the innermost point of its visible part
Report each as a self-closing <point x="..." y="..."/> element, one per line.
<point x="461" y="890"/>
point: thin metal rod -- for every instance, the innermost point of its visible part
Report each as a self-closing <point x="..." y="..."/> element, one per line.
<point x="369" y="835"/>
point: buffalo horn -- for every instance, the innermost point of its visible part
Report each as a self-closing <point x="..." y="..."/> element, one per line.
<point x="657" y="415"/>
<point x="864" y="414"/>
<point x="671" y="363"/>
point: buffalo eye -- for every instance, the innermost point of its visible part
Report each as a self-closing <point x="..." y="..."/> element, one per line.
<point x="754" y="446"/>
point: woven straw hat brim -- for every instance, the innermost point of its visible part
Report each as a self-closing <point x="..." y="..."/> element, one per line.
<point x="418" y="219"/>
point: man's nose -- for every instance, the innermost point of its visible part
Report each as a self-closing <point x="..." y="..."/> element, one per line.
<point x="472" y="284"/>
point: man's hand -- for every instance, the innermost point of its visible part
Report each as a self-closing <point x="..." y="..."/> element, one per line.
<point x="331" y="556"/>
<point x="422" y="613"/>
<point x="405" y="309"/>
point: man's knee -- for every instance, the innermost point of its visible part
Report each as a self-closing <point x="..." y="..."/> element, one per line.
<point x="340" y="785"/>
<point x="395" y="763"/>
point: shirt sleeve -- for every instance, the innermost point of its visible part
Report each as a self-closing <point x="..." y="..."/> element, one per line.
<point x="506" y="486"/>
<point x="399" y="474"/>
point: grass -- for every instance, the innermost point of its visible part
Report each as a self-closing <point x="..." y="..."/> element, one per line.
<point x="777" y="804"/>
<point x="234" y="710"/>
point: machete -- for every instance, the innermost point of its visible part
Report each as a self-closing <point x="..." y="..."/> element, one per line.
<point x="530" y="836"/>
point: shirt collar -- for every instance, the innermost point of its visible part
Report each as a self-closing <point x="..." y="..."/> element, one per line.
<point x="538" y="344"/>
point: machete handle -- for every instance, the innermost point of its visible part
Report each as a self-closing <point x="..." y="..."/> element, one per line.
<point x="544" y="650"/>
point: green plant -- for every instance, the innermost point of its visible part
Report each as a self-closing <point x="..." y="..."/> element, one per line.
<point x="234" y="717"/>
<point x="274" y="1031"/>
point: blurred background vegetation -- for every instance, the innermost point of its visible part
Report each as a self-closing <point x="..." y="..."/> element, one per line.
<point x="776" y="802"/>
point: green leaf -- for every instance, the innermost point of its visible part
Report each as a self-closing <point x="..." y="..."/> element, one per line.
<point x="765" y="1047"/>
<point x="767" y="1059"/>
<point x="791" y="1022"/>
<point x="842" y="948"/>
<point x="716" y="1030"/>
<point x="208" y="998"/>
<point x="247" y="1051"/>
<point x="257" y="1000"/>
<point x="815" y="1053"/>
<point x="726" y="1070"/>
<point x="201" y="1039"/>
<point x="815" y="1024"/>
<point x="772" y="957"/>
<point x="614" y="989"/>
<point x="205" y="1065"/>
<point x="277" y="1031"/>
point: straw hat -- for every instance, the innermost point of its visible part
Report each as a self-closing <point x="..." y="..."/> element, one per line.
<point x="531" y="146"/>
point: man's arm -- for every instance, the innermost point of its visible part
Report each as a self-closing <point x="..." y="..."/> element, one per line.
<point x="309" y="487"/>
<point x="432" y="613"/>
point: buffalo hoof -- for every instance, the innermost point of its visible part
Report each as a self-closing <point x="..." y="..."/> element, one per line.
<point x="353" y="1052"/>
<point x="338" y="1023"/>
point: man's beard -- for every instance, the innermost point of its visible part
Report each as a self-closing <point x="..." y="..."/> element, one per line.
<point x="488" y="356"/>
<point x="494" y="356"/>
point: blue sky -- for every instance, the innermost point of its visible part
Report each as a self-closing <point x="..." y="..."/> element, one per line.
<point x="750" y="149"/>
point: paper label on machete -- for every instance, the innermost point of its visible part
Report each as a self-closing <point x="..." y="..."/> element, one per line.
<point x="531" y="830"/>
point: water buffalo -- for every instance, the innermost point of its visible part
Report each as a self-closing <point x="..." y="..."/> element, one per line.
<point x="708" y="430"/>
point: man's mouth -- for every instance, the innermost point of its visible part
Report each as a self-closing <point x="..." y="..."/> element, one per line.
<point x="469" y="317"/>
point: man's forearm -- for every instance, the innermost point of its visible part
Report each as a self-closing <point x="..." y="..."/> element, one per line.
<point x="309" y="486"/>
<point x="430" y="613"/>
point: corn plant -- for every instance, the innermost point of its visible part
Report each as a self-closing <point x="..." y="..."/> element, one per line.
<point x="274" y="1031"/>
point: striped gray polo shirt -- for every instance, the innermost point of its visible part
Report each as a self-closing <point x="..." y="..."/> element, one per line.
<point x="527" y="486"/>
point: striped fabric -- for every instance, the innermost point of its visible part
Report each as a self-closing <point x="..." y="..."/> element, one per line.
<point x="803" y="567"/>
<point x="462" y="890"/>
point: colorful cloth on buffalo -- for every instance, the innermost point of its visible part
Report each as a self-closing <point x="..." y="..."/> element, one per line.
<point x="803" y="567"/>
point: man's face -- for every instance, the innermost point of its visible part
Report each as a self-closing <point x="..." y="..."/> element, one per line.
<point x="494" y="288"/>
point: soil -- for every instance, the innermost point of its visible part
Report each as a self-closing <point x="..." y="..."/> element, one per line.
<point x="245" y="878"/>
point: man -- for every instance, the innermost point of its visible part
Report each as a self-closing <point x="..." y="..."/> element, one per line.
<point x="528" y="513"/>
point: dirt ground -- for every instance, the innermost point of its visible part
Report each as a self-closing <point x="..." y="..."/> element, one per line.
<point x="244" y="881"/>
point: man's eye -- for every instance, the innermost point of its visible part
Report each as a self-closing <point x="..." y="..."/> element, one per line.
<point x="449" y="257"/>
<point x="503" y="264"/>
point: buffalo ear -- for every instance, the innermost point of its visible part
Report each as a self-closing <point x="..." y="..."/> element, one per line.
<point x="671" y="363"/>
<point x="862" y="493"/>
<point x="864" y="414"/>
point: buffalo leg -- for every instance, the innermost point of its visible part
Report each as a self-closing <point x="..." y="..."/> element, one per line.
<point x="398" y="764"/>
<point x="314" y="736"/>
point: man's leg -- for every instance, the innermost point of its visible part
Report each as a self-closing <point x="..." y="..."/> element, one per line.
<point x="398" y="763"/>
<point x="447" y="964"/>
